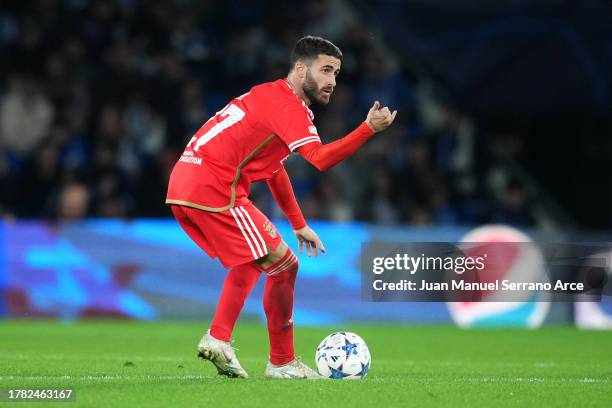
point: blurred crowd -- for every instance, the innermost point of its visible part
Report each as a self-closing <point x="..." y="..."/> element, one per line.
<point x="98" y="99"/>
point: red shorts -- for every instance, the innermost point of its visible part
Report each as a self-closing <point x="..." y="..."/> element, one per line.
<point x="235" y="236"/>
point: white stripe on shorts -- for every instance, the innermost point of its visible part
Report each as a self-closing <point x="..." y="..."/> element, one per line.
<point x="261" y="240"/>
<point x="246" y="226"/>
<point x="246" y="238"/>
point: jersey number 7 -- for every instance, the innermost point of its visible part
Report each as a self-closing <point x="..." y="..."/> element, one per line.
<point x="229" y="116"/>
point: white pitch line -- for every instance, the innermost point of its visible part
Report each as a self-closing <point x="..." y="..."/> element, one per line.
<point x="58" y="357"/>
<point x="483" y="380"/>
<point x="102" y="377"/>
<point x="188" y="359"/>
<point x="458" y="363"/>
<point x="469" y="380"/>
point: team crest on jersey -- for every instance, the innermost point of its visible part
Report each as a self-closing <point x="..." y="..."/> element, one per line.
<point x="269" y="228"/>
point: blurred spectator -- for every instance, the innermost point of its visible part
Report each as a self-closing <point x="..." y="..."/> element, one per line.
<point x="144" y="134"/>
<point x="336" y="208"/>
<point x="38" y="182"/>
<point x="384" y="209"/>
<point x="513" y="206"/>
<point x="25" y="116"/>
<point x="194" y="110"/>
<point x="72" y="202"/>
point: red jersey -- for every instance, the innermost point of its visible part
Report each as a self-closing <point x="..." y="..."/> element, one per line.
<point x="245" y="142"/>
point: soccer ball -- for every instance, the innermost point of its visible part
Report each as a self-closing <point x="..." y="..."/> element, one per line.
<point x="343" y="356"/>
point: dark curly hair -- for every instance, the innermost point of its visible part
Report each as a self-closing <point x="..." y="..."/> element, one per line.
<point x="310" y="47"/>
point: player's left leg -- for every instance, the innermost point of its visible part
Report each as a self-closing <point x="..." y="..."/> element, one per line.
<point x="280" y="267"/>
<point x="281" y="272"/>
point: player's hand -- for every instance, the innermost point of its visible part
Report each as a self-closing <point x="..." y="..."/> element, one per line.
<point x="309" y="239"/>
<point x="378" y="118"/>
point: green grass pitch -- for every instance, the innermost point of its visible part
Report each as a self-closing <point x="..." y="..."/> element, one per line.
<point x="112" y="363"/>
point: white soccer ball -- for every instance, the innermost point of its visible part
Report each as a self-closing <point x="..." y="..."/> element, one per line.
<point x="343" y="356"/>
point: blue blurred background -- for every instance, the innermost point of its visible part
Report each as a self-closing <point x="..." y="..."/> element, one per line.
<point x="151" y="269"/>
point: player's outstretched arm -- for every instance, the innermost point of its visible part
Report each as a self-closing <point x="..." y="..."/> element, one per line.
<point x="326" y="156"/>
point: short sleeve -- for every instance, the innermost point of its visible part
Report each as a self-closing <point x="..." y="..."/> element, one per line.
<point x="295" y="128"/>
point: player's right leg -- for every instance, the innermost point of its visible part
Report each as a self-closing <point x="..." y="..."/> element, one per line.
<point x="222" y="355"/>
<point x="230" y="247"/>
<point x="216" y="343"/>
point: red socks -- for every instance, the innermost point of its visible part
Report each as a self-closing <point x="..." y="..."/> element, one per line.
<point x="239" y="282"/>
<point x="278" y="305"/>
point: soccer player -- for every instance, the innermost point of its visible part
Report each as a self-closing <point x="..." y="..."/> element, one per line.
<point x="248" y="141"/>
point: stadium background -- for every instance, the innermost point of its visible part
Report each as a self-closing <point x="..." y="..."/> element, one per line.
<point x="504" y="117"/>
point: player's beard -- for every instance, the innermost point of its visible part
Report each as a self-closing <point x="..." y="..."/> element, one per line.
<point x="312" y="90"/>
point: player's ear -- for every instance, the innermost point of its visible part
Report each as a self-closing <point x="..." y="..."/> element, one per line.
<point x="300" y="69"/>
